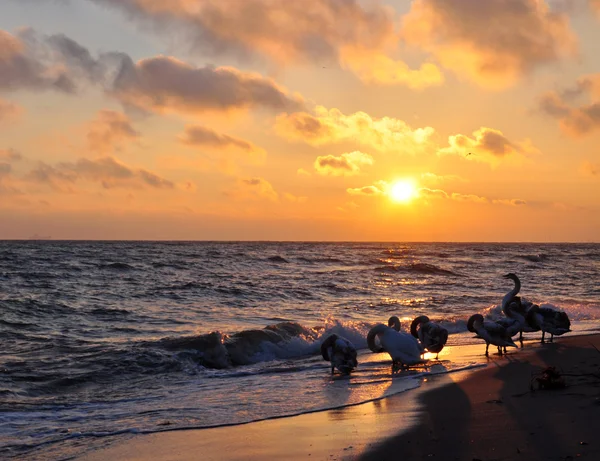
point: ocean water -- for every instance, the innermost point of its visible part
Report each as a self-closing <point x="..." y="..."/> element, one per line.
<point x="104" y="338"/>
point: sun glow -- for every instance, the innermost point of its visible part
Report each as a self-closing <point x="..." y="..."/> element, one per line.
<point x="402" y="191"/>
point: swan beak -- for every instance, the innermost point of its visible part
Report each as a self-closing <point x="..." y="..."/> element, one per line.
<point x="506" y="276"/>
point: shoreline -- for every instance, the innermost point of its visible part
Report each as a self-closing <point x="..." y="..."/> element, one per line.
<point x="472" y="414"/>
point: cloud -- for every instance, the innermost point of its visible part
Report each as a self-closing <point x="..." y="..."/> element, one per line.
<point x="294" y="199"/>
<point x="10" y="154"/>
<point x="433" y="178"/>
<point x="109" y="130"/>
<point x="357" y="35"/>
<point x="165" y="84"/>
<point x="375" y="190"/>
<point x="347" y="164"/>
<point x="26" y="63"/>
<point x="378" y="68"/>
<point x="486" y="145"/>
<point x="332" y="126"/>
<point x="8" y="110"/>
<point x="280" y="30"/>
<point x="510" y="202"/>
<point x="441" y="194"/>
<point x="195" y="135"/>
<point x="253" y="189"/>
<point x="107" y="171"/>
<point x="159" y="84"/>
<point x="590" y="169"/>
<point x="5" y="169"/>
<point x="6" y="183"/>
<point x="575" y="120"/>
<point x="381" y="189"/>
<point x="521" y="36"/>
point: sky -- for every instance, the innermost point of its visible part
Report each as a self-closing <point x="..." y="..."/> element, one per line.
<point x="326" y="120"/>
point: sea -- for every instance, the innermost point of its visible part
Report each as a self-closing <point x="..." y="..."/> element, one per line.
<point x="99" y="339"/>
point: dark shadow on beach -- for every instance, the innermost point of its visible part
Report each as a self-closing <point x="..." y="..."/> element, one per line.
<point x="494" y="415"/>
<point x="437" y="431"/>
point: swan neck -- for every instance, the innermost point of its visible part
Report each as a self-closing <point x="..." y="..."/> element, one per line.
<point x="508" y="298"/>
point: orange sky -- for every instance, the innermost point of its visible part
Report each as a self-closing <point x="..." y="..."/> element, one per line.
<point x="279" y="120"/>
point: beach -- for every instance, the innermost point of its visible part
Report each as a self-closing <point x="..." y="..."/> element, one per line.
<point x="495" y="413"/>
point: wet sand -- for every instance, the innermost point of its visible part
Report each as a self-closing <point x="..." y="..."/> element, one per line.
<point x="490" y="414"/>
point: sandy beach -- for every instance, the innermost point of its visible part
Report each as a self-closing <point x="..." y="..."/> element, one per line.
<point x="496" y="413"/>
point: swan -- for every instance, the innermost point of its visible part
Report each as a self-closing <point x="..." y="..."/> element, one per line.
<point x="549" y="320"/>
<point x="393" y="322"/>
<point x="402" y="347"/>
<point x="433" y="336"/>
<point x="490" y="332"/>
<point x="514" y="308"/>
<point x="340" y="352"/>
<point x="511" y="326"/>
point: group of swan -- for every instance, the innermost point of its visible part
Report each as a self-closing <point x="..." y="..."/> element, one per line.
<point x="407" y="349"/>
<point x="520" y="317"/>
<point x="404" y="349"/>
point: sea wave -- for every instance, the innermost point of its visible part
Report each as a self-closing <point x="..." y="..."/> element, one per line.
<point x="416" y="267"/>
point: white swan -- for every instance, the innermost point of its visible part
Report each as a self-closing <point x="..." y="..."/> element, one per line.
<point x="432" y="336"/>
<point x="549" y="320"/>
<point x="402" y="347"/>
<point x="340" y="352"/>
<point x="490" y="332"/>
<point x="393" y="322"/>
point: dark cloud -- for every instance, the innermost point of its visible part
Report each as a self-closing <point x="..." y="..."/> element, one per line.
<point x="78" y="57"/>
<point x="576" y="118"/>
<point x="487" y="145"/>
<point x="24" y="65"/>
<point x="166" y="84"/>
<point x="347" y="164"/>
<point x="157" y="84"/>
<point x="10" y="154"/>
<point x="107" y="171"/>
<point x="202" y="136"/>
<point x="109" y="130"/>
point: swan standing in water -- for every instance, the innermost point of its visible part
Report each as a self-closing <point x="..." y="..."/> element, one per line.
<point x="514" y="309"/>
<point x="432" y="336"/>
<point x="490" y="332"/>
<point x="393" y="322"/>
<point x="549" y="320"/>
<point x="340" y="352"/>
<point x="402" y="347"/>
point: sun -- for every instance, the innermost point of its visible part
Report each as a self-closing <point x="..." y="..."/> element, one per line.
<point x="403" y="191"/>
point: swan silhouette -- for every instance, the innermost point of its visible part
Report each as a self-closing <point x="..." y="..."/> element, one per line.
<point x="549" y="320"/>
<point x="515" y="309"/>
<point x="432" y="336"/>
<point x="340" y="352"/>
<point x="490" y="332"/>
